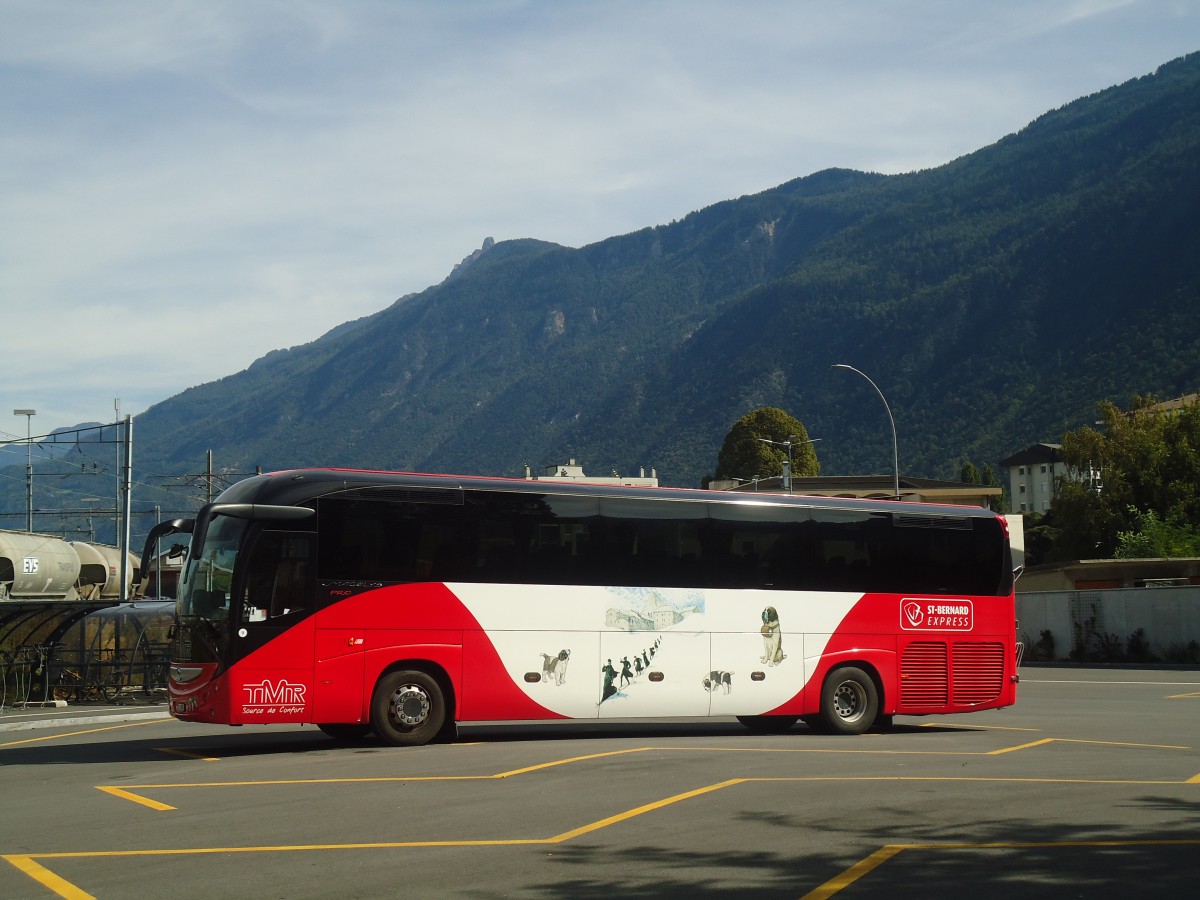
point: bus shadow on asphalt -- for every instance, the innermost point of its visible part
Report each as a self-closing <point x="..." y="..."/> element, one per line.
<point x="43" y="750"/>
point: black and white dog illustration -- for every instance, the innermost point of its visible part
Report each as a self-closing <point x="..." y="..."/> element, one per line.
<point x="718" y="681"/>
<point x="554" y="668"/>
<point x="772" y="637"/>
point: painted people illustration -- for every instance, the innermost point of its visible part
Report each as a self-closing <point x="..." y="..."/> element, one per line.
<point x="772" y="636"/>
<point x="610" y="675"/>
<point x="618" y="676"/>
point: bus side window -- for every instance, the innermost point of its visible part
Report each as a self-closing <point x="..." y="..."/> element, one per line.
<point x="278" y="579"/>
<point x="290" y="592"/>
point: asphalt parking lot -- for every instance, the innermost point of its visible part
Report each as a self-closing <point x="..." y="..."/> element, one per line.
<point x="1088" y="787"/>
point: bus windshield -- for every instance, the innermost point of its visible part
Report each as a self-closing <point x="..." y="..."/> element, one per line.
<point x="203" y="608"/>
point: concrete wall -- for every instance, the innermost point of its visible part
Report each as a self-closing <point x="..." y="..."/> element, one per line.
<point x="1097" y="625"/>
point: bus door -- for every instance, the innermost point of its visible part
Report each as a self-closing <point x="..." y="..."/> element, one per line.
<point x="757" y="663"/>
<point x="654" y="672"/>
<point x="655" y="653"/>
<point x="273" y="635"/>
<point x="757" y="624"/>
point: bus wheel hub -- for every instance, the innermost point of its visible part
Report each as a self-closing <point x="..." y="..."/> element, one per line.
<point x="410" y="705"/>
<point x="848" y="701"/>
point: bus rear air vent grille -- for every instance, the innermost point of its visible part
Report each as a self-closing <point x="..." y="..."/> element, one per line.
<point x="978" y="671"/>
<point x="924" y="675"/>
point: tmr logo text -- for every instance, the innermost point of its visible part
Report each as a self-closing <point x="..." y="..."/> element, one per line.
<point x="936" y="615"/>
<point x="269" y="696"/>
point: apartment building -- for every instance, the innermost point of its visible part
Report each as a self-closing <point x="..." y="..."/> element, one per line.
<point x="1033" y="475"/>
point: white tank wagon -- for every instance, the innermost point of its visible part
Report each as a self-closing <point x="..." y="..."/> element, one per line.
<point x="39" y="567"/>
<point x="48" y="584"/>
<point x="100" y="572"/>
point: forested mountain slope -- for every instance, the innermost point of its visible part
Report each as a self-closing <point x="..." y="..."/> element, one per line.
<point x="995" y="300"/>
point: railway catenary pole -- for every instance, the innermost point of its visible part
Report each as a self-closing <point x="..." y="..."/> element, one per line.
<point x="28" y="414"/>
<point x="127" y="493"/>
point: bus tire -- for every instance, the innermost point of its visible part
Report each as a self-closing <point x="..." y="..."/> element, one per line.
<point x="407" y="708"/>
<point x="849" y="701"/>
<point x="346" y="731"/>
<point x="768" y="724"/>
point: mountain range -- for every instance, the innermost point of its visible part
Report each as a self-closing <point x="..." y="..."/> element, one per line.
<point x="994" y="301"/>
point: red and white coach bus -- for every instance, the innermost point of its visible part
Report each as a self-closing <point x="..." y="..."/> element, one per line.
<point x="403" y="604"/>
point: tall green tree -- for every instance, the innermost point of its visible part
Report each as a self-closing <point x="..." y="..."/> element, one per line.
<point x="972" y="475"/>
<point x="745" y="455"/>
<point x="1137" y="474"/>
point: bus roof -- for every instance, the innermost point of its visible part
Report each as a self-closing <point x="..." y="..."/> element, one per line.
<point x="297" y="486"/>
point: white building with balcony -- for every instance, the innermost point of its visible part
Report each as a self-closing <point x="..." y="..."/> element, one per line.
<point x="1033" y="476"/>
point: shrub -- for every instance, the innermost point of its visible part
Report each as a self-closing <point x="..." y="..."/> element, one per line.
<point x="1181" y="653"/>
<point x="1137" y="648"/>
<point x="1110" y="648"/>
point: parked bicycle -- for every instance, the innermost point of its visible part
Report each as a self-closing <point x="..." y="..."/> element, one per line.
<point x="100" y="676"/>
<point x="16" y="675"/>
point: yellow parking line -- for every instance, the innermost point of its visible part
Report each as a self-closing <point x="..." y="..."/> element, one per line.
<point x="1021" y="747"/>
<point x="55" y="737"/>
<point x="127" y="791"/>
<point x="1077" y="741"/>
<point x="46" y="878"/>
<point x="831" y="751"/>
<point x="882" y="855"/>
<point x="1124" y="744"/>
<point x="136" y="798"/>
<point x="959" y="725"/>
<point x="855" y="872"/>
<point x="563" y="762"/>
<point x="640" y="810"/>
<point x="186" y="755"/>
<point x="27" y="862"/>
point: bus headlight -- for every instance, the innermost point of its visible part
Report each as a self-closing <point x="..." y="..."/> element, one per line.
<point x="184" y="674"/>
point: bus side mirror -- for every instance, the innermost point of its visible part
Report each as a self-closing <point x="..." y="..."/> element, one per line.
<point x="162" y="529"/>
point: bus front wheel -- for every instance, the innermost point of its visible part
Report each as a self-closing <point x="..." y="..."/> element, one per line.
<point x="849" y="701"/>
<point x="407" y="708"/>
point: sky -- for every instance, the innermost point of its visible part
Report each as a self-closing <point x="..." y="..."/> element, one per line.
<point x="187" y="185"/>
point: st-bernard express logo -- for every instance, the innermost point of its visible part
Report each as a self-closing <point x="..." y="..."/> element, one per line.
<point x="936" y="615"/>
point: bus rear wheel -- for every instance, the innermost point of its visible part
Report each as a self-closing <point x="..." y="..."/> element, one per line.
<point x="849" y="701"/>
<point x="407" y="708"/>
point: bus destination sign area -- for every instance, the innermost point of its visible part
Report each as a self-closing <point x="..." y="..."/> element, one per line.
<point x="936" y="615"/>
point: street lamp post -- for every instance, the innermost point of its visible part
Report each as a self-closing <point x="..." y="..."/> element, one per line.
<point x="895" y="445"/>
<point x="788" y="444"/>
<point x="28" y="414"/>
